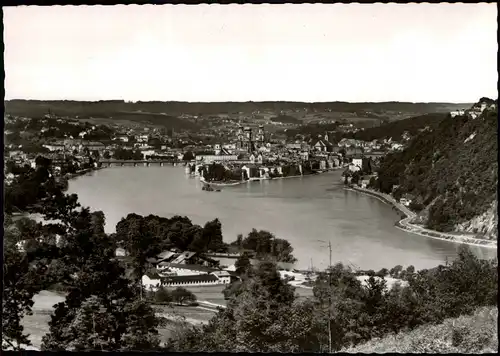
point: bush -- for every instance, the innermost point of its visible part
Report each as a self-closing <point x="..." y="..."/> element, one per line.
<point x="182" y="295"/>
<point x="162" y="295"/>
<point x="477" y="333"/>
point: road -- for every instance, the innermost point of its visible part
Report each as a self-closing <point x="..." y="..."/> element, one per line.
<point x="406" y="224"/>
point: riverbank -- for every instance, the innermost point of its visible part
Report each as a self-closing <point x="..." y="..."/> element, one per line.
<point x="261" y="179"/>
<point x="406" y="225"/>
<point x="82" y="172"/>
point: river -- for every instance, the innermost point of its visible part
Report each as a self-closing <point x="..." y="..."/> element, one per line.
<point x="301" y="210"/>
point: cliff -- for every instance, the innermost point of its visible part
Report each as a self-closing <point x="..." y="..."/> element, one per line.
<point x="450" y="173"/>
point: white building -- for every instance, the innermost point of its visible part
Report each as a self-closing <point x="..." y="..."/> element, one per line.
<point x="207" y="159"/>
<point x="457" y="113"/>
<point x="358" y="161"/>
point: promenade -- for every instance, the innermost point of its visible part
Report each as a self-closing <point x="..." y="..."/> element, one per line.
<point x="405" y="223"/>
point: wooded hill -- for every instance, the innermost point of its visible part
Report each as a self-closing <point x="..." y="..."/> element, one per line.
<point x="396" y="129"/>
<point x="452" y="170"/>
<point x="110" y="108"/>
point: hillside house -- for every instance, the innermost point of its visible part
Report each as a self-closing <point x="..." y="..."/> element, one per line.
<point x="94" y="146"/>
<point x="221" y="150"/>
<point x="122" y="138"/>
<point x="142" y="138"/>
<point x="54" y="147"/>
<point x="321" y="145"/>
<point x="457" y="113"/>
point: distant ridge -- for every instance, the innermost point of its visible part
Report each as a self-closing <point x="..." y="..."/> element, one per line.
<point x="106" y="107"/>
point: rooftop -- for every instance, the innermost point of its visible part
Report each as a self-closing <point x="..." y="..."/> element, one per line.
<point x="195" y="278"/>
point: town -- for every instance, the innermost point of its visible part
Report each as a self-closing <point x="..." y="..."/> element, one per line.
<point x="314" y="178"/>
<point x="76" y="147"/>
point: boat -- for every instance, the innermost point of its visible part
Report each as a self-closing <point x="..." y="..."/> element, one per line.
<point x="208" y="188"/>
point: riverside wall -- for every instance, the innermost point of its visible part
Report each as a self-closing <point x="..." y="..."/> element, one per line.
<point x="406" y="225"/>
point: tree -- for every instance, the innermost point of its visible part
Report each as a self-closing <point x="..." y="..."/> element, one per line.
<point x="19" y="287"/>
<point x="212" y="235"/>
<point x="249" y="323"/>
<point x="181" y="295"/>
<point x="162" y="295"/>
<point x="266" y="245"/>
<point x="140" y="241"/>
<point x="141" y="333"/>
<point x="88" y="269"/>
<point x="188" y="156"/>
<point x="243" y="264"/>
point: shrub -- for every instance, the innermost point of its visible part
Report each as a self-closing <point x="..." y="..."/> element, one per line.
<point x="475" y="333"/>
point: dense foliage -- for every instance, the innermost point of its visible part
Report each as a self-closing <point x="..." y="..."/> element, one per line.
<point x="458" y="175"/>
<point x="101" y="310"/>
<point x="474" y="334"/>
<point x="124" y="154"/>
<point x="396" y="129"/>
<point x="266" y="245"/>
<point x="31" y="186"/>
<point x="264" y="315"/>
<point x="217" y="172"/>
<point x="149" y="235"/>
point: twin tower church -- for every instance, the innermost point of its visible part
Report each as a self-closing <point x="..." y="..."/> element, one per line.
<point x="249" y="141"/>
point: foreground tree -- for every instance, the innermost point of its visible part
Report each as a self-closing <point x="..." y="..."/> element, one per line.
<point x="263" y="316"/>
<point x="140" y="241"/>
<point x="182" y="295"/>
<point x="243" y="264"/>
<point x="96" y="281"/>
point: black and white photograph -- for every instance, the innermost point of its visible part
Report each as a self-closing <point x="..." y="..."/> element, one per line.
<point x="289" y="178"/>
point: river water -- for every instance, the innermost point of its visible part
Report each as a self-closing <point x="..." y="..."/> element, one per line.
<point x="301" y="210"/>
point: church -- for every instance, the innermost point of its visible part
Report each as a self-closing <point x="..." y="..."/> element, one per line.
<point x="248" y="141"/>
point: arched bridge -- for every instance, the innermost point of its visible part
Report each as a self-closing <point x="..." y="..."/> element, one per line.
<point x="135" y="163"/>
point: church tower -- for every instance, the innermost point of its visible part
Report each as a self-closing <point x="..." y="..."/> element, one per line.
<point x="240" y="137"/>
<point x="260" y="136"/>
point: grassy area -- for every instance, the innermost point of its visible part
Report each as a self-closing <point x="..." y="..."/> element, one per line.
<point x="37" y="324"/>
<point x="477" y="333"/>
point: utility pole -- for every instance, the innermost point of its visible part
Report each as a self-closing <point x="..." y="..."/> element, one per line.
<point x="329" y="295"/>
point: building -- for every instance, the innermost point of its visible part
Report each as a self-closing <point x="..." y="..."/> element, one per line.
<point x="256" y="158"/>
<point x="153" y="281"/>
<point x="56" y="146"/>
<point x="457" y="113"/>
<point x="320" y="145"/>
<point x="207" y="159"/>
<point x="357" y="161"/>
<point x="247" y="141"/>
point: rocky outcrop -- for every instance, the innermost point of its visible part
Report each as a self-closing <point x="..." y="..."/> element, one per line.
<point x="485" y="224"/>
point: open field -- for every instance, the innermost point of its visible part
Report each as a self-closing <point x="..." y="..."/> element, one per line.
<point x="37" y="324"/>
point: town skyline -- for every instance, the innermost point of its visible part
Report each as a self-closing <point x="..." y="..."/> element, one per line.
<point x="444" y="53"/>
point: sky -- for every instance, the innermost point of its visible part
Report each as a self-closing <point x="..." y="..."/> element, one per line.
<point x="305" y="52"/>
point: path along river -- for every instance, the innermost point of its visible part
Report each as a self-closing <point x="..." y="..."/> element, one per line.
<point x="301" y="210"/>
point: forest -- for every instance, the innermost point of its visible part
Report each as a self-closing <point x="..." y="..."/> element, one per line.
<point x="452" y="169"/>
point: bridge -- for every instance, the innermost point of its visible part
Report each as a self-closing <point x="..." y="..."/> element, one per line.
<point x="135" y="163"/>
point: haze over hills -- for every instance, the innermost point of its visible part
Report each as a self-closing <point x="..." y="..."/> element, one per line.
<point x="166" y="113"/>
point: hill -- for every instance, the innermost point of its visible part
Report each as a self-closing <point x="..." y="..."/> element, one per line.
<point x="174" y="108"/>
<point x="286" y="119"/>
<point x="450" y="173"/>
<point x="477" y="333"/>
<point x="396" y="129"/>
